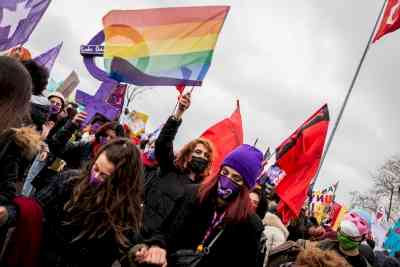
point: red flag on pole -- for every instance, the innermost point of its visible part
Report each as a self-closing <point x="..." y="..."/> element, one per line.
<point x="390" y="21"/>
<point x="180" y="88"/>
<point x="299" y="156"/>
<point x="225" y="136"/>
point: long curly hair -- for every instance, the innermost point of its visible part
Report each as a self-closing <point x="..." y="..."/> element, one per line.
<point x="184" y="155"/>
<point x="115" y="206"/>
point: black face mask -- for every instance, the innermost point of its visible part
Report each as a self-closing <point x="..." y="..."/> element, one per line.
<point x="198" y="165"/>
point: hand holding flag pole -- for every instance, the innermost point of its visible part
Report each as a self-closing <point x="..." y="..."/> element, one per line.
<point x="182" y="104"/>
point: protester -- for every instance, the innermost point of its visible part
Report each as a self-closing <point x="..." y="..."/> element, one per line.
<point x="218" y="212"/>
<point x="16" y="144"/>
<point x="353" y="230"/>
<point x="259" y="200"/>
<point x="190" y="166"/>
<point x="275" y="231"/>
<point x="315" y="257"/>
<point x="94" y="215"/>
<point x="77" y="154"/>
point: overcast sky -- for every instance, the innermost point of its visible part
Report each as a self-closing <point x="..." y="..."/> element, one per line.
<point x="283" y="59"/>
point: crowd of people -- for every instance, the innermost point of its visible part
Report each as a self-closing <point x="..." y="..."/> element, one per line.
<point x="75" y="195"/>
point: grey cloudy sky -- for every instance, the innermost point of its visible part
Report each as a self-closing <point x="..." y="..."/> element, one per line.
<point x="283" y="59"/>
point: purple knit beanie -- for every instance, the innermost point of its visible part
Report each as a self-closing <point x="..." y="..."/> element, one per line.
<point x="246" y="160"/>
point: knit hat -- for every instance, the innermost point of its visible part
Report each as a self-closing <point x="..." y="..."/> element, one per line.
<point x="247" y="161"/>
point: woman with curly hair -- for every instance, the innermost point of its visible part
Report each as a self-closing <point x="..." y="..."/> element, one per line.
<point x="93" y="216"/>
<point x="315" y="257"/>
<point x="190" y="165"/>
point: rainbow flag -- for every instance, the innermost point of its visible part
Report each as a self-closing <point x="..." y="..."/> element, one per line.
<point x="162" y="46"/>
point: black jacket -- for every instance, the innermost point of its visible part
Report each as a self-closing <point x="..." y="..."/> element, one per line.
<point x="238" y="245"/>
<point x="58" y="248"/>
<point x="164" y="196"/>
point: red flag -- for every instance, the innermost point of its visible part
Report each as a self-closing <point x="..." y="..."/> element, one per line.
<point x="391" y="19"/>
<point x="180" y="88"/>
<point x="299" y="156"/>
<point x="225" y="136"/>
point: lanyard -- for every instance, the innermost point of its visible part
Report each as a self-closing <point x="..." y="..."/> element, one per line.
<point x="216" y="221"/>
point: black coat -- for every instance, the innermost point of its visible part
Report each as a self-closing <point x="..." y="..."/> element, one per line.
<point x="165" y="193"/>
<point x="238" y="245"/>
<point x="58" y="248"/>
<point x="17" y="147"/>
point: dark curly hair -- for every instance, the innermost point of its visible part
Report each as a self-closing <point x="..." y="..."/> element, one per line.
<point x="39" y="75"/>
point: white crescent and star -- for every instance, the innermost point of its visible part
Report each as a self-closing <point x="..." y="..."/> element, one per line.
<point x="12" y="18"/>
<point x="394" y="13"/>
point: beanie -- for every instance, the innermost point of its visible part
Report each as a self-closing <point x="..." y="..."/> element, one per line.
<point x="247" y="161"/>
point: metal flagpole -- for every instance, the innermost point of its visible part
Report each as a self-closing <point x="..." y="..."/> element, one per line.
<point x="332" y="135"/>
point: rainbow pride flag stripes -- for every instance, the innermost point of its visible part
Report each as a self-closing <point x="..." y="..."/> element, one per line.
<point x="162" y="46"/>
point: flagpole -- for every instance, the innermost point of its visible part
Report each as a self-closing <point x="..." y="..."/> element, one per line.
<point x="360" y="64"/>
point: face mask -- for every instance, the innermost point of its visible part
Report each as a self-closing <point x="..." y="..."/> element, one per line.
<point x="227" y="189"/>
<point x="54" y="109"/>
<point x="93" y="181"/>
<point x="103" y="140"/>
<point x="198" y="165"/>
<point x="346" y="243"/>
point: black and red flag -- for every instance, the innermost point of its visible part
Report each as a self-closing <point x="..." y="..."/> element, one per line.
<point x="299" y="156"/>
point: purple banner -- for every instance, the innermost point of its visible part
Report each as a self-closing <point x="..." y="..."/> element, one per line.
<point x="18" y="18"/>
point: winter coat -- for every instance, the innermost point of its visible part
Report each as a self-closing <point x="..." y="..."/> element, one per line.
<point x="164" y="196"/>
<point x="274" y="230"/>
<point x="238" y="245"/>
<point x="58" y="248"/>
<point x="17" y="148"/>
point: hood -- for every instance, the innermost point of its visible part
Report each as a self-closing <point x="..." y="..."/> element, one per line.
<point x="29" y="140"/>
<point x="271" y="219"/>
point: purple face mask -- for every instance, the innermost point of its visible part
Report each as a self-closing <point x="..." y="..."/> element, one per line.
<point x="93" y="181"/>
<point x="103" y="140"/>
<point x="53" y="109"/>
<point x="227" y="189"/>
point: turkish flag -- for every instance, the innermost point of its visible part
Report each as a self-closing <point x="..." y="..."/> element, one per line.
<point x="180" y="88"/>
<point x="391" y="19"/>
<point x="299" y="156"/>
<point x="225" y="136"/>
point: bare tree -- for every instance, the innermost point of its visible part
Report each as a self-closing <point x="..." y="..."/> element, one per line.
<point x="386" y="189"/>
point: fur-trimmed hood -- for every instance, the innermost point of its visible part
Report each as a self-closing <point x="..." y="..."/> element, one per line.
<point x="26" y="138"/>
<point x="271" y="219"/>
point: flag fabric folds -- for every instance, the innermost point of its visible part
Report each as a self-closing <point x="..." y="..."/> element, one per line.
<point x="299" y="156"/>
<point x="18" y="20"/>
<point x="390" y="20"/>
<point x="162" y="46"/>
<point x="225" y="136"/>
<point x="48" y="58"/>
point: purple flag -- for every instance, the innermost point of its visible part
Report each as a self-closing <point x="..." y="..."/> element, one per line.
<point x="18" y="18"/>
<point x="48" y="58"/>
